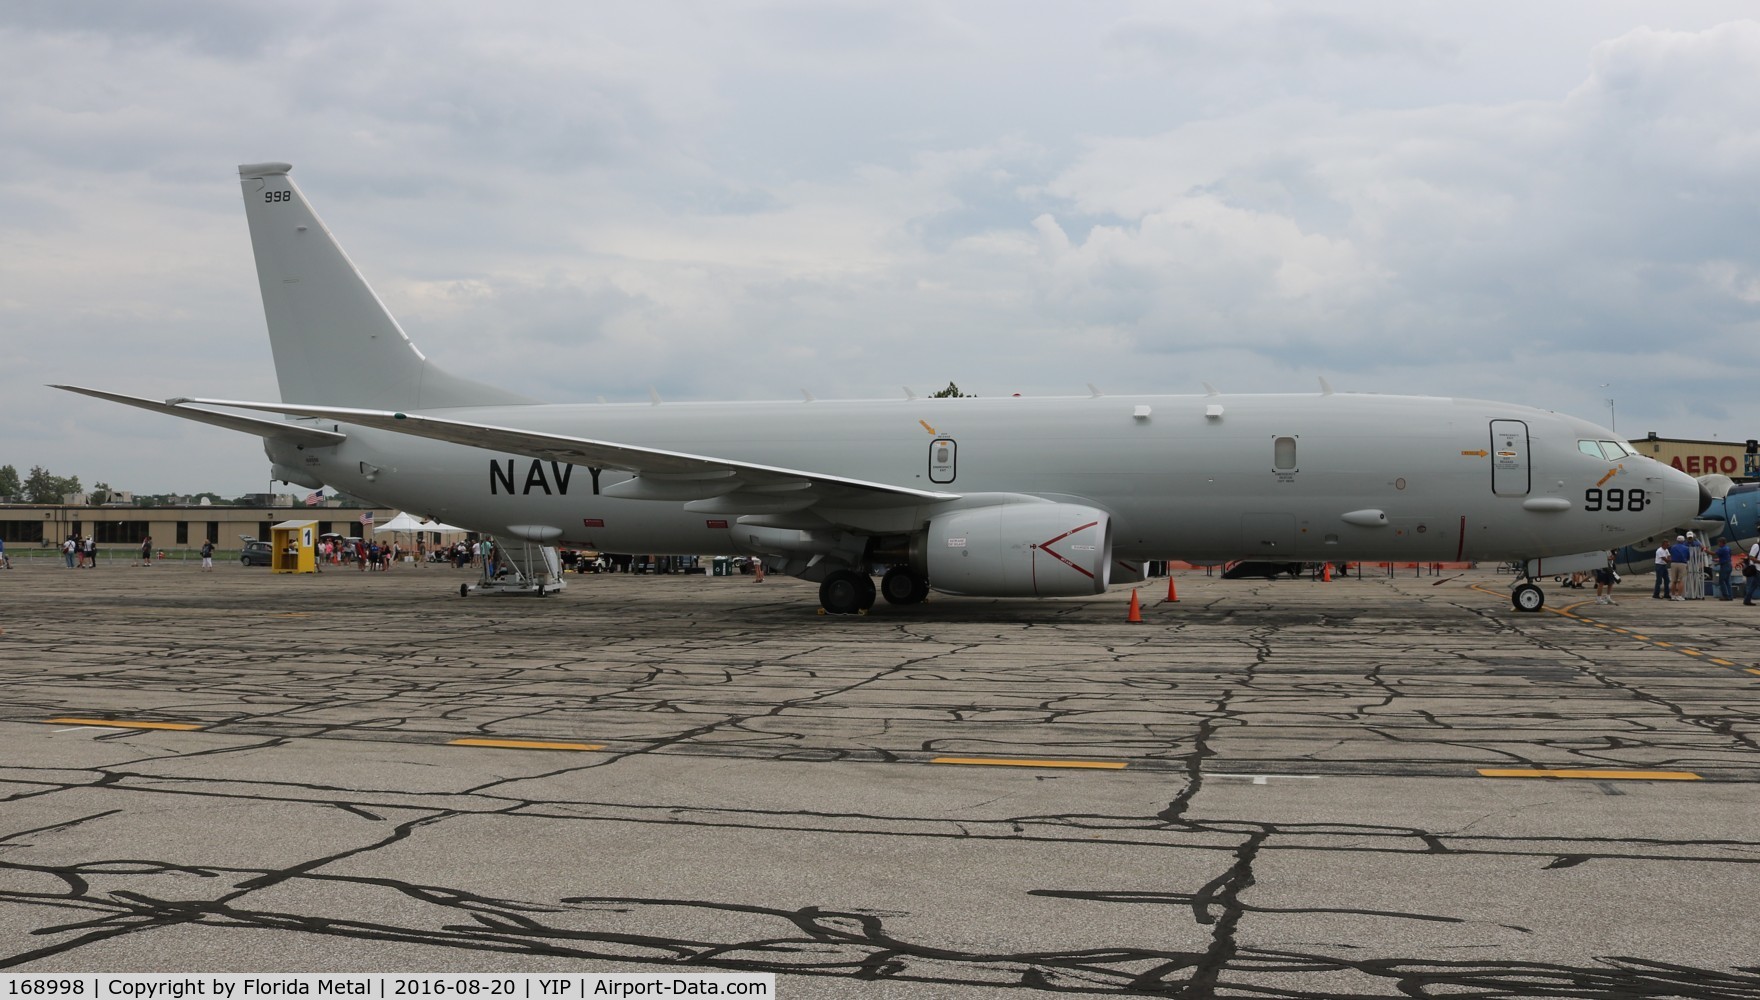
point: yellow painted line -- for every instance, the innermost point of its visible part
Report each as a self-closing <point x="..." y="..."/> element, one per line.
<point x="1005" y="762"/>
<point x="525" y="745"/>
<point x="1499" y="772"/>
<point x="1751" y="670"/>
<point x="125" y="724"/>
<point x="1566" y="612"/>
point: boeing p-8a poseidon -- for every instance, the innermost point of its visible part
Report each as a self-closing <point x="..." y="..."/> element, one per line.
<point x="1005" y="497"/>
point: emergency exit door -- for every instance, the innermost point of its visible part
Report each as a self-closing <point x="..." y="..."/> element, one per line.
<point x="1510" y="475"/>
<point x="943" y="460"/>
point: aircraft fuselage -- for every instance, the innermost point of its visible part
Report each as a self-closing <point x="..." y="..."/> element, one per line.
<point x="1309" y="477"/>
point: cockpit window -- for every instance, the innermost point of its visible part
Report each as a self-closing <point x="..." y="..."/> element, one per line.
<point x="1612" y="451"/>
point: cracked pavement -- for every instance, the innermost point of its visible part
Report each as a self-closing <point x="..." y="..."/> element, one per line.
<point x="1301" y="813"/>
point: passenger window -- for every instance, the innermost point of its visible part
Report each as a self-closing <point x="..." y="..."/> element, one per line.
<point x="1283" y="454"/>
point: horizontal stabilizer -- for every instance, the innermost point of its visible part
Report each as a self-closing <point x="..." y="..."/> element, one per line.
<point x="685" y="476"/>
<point x="280" y="430"/>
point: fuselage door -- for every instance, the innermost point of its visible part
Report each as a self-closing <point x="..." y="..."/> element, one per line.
<point x="1510" y="475"/>
<point x="943" y="460"/>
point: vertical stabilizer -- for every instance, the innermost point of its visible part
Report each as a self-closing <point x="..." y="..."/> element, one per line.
<point x="335" y="343"/>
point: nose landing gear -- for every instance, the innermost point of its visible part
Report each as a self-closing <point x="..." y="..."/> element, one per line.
<point x="1527" y="596"/>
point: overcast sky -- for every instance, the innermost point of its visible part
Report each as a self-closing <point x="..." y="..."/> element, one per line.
<point x="1518" y="201"/>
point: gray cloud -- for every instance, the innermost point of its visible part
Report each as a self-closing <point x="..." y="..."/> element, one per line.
<point x="738" y="200"/>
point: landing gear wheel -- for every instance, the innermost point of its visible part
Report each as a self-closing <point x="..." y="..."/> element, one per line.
<point x="1528" y="597"/>
<point x="901" y="586"/>
<point x="843" y="593"/>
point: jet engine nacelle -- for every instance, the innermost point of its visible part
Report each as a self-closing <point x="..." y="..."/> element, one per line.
<point x="1019" y="550"/>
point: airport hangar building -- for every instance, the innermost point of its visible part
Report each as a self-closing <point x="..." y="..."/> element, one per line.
<point x="1738" y="460"/>
<point x="175" y="529"/>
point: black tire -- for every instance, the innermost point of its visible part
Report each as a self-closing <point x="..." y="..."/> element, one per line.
<point x="901" y="586"/>
<point x="1528" y="598"/>
<point x="464" y="590"/>
<point x="841" y="592"/>
<point x="244" y="560"/>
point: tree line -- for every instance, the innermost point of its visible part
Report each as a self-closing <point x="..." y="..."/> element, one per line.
<point x="43" y="486"/>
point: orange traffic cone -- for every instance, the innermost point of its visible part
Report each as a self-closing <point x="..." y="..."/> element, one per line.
<point x="1136" y="614"/>
<point x="1172" y="596"/>
<point x="1326" y="573"/>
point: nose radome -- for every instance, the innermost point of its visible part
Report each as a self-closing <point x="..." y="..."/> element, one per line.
<point x="1685" y="497"/>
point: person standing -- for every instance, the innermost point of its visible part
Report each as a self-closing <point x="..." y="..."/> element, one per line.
<point x="1678" y="554"/>
<point x="1723" y="557"/>
<point x="91" y="547"/>
<point x="208" y="556"/>
<point x="1604" y="577"/>
<point x="1660" y="590"/>
<point x="1751" y="575"/>
<point x="147" y="551"/>
<point x="1698" y="558"/>
<point x="5" y="560"/>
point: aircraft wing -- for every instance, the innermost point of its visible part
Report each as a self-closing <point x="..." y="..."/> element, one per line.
<point x="260" y="426"/>
<point x="705" y="483"/>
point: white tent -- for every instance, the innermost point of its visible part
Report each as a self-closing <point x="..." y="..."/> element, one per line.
<point x="407" y="522"/>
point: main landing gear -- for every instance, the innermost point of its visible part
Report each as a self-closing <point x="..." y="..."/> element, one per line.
<point x="846" y="592"/>
<point x="902" y="586"/>
<point x="851" y="592"/>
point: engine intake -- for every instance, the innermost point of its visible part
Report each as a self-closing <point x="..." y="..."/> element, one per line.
<point x="1020" y="550"/>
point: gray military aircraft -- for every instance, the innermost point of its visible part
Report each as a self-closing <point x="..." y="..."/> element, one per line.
<point x="1003" y="497"/>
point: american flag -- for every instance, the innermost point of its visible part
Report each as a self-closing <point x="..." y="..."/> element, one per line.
<point x="314" y="498"/>
<point x="367" y="519"/>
